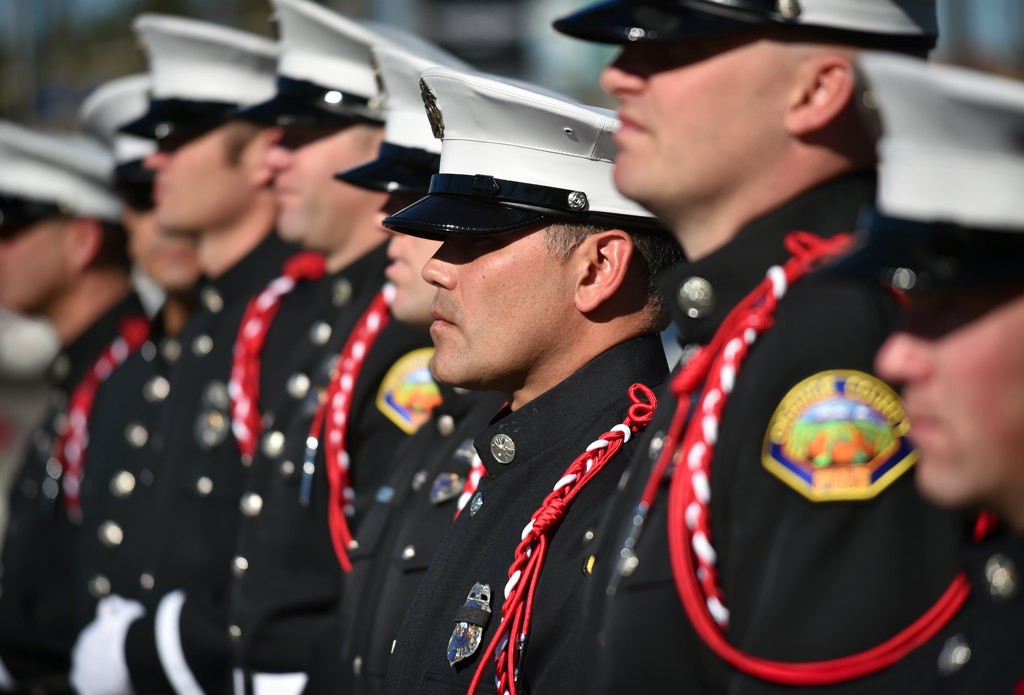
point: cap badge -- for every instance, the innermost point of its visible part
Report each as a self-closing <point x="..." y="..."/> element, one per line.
<point x="789" y="9"/>
<point x="433" y="112"/>
<point x="577" y="200"/>
<point x="470" y="621"/>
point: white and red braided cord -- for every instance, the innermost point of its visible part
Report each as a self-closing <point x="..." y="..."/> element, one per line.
<point x="524" y="573"/>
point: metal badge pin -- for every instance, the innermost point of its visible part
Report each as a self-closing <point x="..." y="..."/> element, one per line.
<point x="446" y="486"/>
<point x="470" y="621"/>
<point x="503" y="449"/>
<point x="308" y="468"/>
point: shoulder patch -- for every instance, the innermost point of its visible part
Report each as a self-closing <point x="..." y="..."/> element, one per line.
<point x="408" y="394"/>
<point x="839" y="435"/>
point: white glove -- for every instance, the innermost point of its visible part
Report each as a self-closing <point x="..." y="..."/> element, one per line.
<point x="98" y="665"/>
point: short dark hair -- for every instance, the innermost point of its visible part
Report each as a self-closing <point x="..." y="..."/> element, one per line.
<point x="113" y="251"/>
<point x="657" y="248"/>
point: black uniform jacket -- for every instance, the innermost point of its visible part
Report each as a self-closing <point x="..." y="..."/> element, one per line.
<point x="982" y="650"/>
<point x="401" y="532"/>
<point x="287" y="575"/>
<point x="116" y="486"/>
<point x="190" y="517"/>
<point x="549" y="433"/>
<point x="36" y="612"/>
<point x="803" y="580"/>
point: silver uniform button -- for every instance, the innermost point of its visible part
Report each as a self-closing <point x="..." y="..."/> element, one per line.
<point x="341" y="293"/>
<point x="696" y="297"/>
<point x="147" y="580"/>
<point x="170" y="349"/>
<point x="320" y="333"/>
<point x="408" y="552"/>
<point x="136" y="434"/>
<point x="273" y="444"/>
<point x="357" y="665"/>
<point x="353" y="544"/>
<point x="156" y="389"/>
<point x="252" y="504"/>
<point x="110" y="534"/>
<point x="50" y="488"/>
<point x="202" y="345"/>
<point x="235" y="632"/>
<point x="239" y="566"/>
<point x="445" y="425"/>
<point x="287" y="468"/>
<point x="298" y="385"/>
<point x="954" y="655"/>
<point x="1001" y="576"/>
<point x="122" y="484"/>
<point x="204" y="486"/>
<point x="503" y="449"/>
<point x="211" y="299"/>
<point x="61" y="367"/>
<point x="476" y="503"/>
<point x="148" y="351"/>
<point x="99" y="586"/>
<point x="53" y="468"/>
<point x="418" y="480"/>
<point x="657" y="442"/>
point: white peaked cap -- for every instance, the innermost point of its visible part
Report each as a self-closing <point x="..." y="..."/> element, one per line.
<point x="952" y="145"/>
<point x="70" y="171"/>
<point x="506" y="131"/>
<point x="406" y="124"/>
<point x="198" y="61"/>
<point x="113" y="105"/>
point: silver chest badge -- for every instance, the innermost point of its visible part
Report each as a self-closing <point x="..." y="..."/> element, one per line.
<point x="470" y="621"/>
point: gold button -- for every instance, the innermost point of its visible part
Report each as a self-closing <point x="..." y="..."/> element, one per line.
<point x="147" y="580"/>
<point x="239" y="566"/>
<point x="99" y="586"/>
<point x="273" y="444"/>
<point x="445" y="425"/>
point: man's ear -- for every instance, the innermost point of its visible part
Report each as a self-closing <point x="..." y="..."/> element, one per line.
<point x="83" y="239"/>
<point x="603" y="262"/>
<point x="825" y="84"/>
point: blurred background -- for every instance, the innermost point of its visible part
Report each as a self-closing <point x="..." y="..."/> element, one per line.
<point x="53" y="52"/>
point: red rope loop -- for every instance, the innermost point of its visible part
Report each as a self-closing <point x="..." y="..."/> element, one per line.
<point x="690" y="446"/>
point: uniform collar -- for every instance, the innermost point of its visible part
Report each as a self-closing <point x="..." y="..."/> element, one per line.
<point x="730" y="273"/>
<point x="554" y="416"/>
<point x="246" y="277"/>
<point x="72" y="362"/>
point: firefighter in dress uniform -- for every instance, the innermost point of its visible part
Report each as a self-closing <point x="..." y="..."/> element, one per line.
<point x="770" y="537"/>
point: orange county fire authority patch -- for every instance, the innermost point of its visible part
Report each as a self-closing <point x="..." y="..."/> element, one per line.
<point x="839" y="435"/>
<point x="408" y="394"/>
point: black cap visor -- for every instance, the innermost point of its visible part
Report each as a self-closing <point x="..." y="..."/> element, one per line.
<point x="18" y="214"/>
<point x="301" y="103"/>
<point x="653" y="21"/>
<point x="464" y="204"/>
<point x="396" y="169"/>
<point x="134" y="183"/>
<point x="907" y="255"/>
<point x="174" y="122"/>
<point x="621" y="22"/>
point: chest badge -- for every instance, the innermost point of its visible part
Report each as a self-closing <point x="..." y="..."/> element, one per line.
<point x="839" y="435"/>
<point x="470" y="622"/>
<point x="408" y="393"/>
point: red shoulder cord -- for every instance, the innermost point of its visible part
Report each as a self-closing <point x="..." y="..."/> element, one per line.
<point x="525" y="571"/>
<point x="244" y="384"/>
<point x="692" y="554"/>
<point x="69" y="448"/>
<point x="332" y="418"/>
